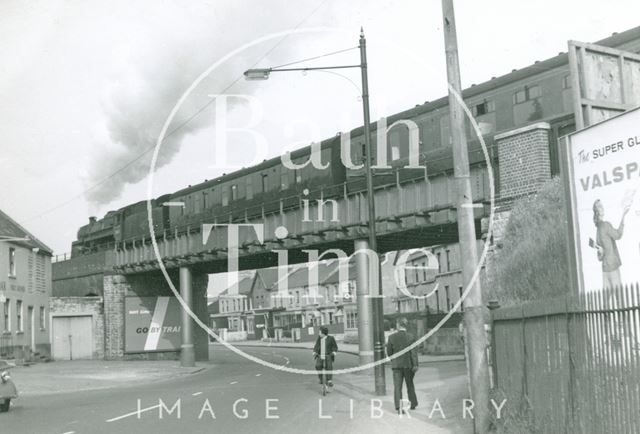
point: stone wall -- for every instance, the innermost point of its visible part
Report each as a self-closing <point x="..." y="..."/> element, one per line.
<point x="115" y="288"/>
<point x="70" y="306"/>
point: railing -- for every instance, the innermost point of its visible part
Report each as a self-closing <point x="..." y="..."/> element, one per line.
<point x="60" y="257"/>
<point x="572" y="365"/>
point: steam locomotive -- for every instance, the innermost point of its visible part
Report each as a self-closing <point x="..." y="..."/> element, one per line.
<point x="539" y="92"/>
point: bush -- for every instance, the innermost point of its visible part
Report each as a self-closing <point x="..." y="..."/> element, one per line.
<point x="532" y="262"/>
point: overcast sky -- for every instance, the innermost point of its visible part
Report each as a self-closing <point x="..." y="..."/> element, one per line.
<point x="85" y="86"/>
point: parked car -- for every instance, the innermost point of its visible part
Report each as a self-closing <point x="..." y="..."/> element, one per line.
<point x="8" y="390"/>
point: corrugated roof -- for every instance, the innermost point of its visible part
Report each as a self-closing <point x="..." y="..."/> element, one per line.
<point x="11" y="229"/>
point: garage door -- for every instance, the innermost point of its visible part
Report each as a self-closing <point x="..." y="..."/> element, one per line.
<point x="72" y="337"/>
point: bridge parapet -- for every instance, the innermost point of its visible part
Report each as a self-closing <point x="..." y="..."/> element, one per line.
<point x="400" y="208"/>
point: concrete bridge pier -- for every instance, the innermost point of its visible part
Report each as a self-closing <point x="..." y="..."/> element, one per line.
<point x="365" y="318"/>
<point x="187" y="350"/>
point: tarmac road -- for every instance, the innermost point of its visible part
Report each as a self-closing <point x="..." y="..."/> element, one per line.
<point x="244" y="397"/>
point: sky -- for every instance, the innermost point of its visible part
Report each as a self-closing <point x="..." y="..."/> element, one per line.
<point x="86" y="86"/>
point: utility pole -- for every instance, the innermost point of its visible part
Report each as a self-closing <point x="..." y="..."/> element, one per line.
<point x="474" y="311"/>
<point x="375" y="302"/>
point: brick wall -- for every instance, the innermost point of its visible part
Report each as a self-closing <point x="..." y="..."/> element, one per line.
<point x="523" y="158"/>
<point x="67" y="306"/>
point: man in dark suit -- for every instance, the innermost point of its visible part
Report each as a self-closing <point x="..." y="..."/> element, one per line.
<point x="405" y="366"/>
<point x="324" y="352"/>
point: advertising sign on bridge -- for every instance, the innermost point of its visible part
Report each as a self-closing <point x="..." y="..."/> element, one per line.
<point x="152" y="324"/>
<point x="603" y="167"/>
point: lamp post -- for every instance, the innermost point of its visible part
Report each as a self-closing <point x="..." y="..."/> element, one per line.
<point x="374" y="304"/>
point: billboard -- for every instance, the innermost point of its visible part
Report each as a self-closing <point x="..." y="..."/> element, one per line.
<point x="603" y="168"/>
<point x="605" y="82"/>
<point x="152" y="324"/>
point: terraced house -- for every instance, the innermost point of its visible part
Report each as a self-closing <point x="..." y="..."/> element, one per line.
<point x="25" y="288"/>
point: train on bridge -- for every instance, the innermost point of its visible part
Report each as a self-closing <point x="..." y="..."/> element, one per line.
<point x="539" y="92"/>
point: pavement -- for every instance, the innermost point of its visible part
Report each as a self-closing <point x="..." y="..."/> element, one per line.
<point x="233" y="394"/>
<point x="74" y="376"/>
<point x="342" y="348"/>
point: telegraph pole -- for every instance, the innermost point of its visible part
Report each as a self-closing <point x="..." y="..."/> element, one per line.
<point x="474" y="311"/>
<point x="375" y="302"/>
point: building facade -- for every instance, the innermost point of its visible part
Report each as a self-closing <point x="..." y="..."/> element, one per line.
<point x="25" y="288"/>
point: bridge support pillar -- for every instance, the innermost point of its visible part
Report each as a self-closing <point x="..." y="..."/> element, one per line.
<point x="187" y="350"/>
<point x="365" y="317"/>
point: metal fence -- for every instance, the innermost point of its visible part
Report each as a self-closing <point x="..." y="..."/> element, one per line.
<point x="571" y="365"/>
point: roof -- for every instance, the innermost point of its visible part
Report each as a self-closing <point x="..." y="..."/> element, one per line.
<point x="244" y="288"/>
<point x="267" y="277"/>
<point x="16" y="234"/>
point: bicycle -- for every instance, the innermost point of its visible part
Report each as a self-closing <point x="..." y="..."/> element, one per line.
<point x="325" y="383"/>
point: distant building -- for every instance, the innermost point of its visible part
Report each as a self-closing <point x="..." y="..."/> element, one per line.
<point x="25" y="288"/>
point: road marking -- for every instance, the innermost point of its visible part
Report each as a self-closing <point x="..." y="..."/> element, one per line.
<point x="257" y="375"/>
<point x="287" y="360"/>
<point x="69" y="432"/>
<point x="133" y="413"/>
<point x="234" y="382"/>
<point x="196" y="394"/>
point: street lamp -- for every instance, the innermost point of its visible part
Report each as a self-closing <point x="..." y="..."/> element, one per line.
<point x="376" y="302"/>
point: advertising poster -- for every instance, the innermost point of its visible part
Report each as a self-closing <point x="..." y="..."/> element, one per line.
<point x="152" y="324"/>
<point x="604" y="169"/>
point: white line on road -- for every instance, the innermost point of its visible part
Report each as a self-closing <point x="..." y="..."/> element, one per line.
<point x="234" y="382"/>
<point x="196" y="394"/>
<point x="257" y="375"/>
<point x="69" y="432"/>
<point x="133" y="413"/>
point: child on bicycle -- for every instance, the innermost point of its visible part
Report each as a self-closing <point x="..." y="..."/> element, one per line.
<point x="324" y="352"/>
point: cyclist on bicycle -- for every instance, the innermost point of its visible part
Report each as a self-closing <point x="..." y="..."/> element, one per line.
<point x="324" y="352"/>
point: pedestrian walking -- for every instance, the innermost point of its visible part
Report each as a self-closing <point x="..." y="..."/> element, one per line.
<point x="404" y="366"/>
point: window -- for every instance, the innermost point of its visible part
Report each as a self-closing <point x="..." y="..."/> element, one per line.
<point x="461" y="304"/>
<point x="284" y="178"/>
<point x="533" y="92"/>
<point x="12" y="262"/>
<point x="483" y="108"/>
<point x="438" y="300"/>
<point x="448" y="260"/>
<point x="19" y="315"/>
<point x="566" y="82"/>
<point x="225" y="197"/>
<point x="439" y="263"/>
<point x="7" y="317"/>
<point x="249" y="188"/>
<point x="446" y="292"/>
<point x="265" y="179"/>
<point x="204" y="200"/>
<point x="234" y="192"/>
<point x="424" y="271"/>
<point x="297" y="297"/>
<point x="42" y="324"/>
<point x="526" y="94"/>
<point x="352" y="320"/>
